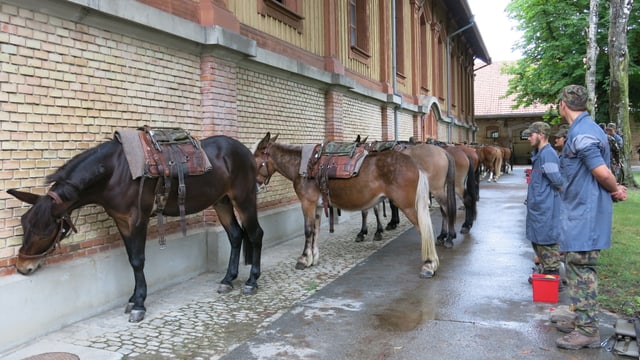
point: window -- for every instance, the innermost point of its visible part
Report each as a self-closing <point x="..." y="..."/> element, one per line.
<point x="399" y="37"/>
<point x="424" y="54"/>
<point x="493" y="132"/>
<point x="286" y="11"/>
<point x="359" y="29"/>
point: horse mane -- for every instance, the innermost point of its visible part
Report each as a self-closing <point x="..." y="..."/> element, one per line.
<point x="82" y="170"/>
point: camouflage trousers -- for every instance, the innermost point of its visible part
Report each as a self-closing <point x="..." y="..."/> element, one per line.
<point x="549" y="257"/>
<point x="582" y="282"/>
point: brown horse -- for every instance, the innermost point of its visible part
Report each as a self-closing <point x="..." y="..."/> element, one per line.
<point x="491" y="159"/>
<point x="388" y="173"/>
<point x="440" y="169"/>
<point x="101" y="176"/>
<point x="450" y="173"/>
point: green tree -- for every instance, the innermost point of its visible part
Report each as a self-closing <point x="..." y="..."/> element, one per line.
<point x="554" y="48"/>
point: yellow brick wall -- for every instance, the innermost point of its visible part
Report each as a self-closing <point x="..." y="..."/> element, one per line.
<point x="65" y="87"/>
<point x="293" y="110"/>
<point x="361" y="118"/>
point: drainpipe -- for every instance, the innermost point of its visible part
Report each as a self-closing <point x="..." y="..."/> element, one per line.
<point x="394" y="69"/>
<point x="449" y="95"/>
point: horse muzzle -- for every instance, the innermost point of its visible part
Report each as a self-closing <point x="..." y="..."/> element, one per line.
<point x="28" y="266"/>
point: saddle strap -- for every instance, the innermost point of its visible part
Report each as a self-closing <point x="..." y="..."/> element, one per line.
<point x="161" y="202"/>
<point x="323" y="183"/>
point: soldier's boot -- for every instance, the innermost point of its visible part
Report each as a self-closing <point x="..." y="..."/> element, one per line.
<point x="576" y="340"/>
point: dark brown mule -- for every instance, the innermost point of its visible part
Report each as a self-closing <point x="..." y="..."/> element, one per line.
<point x="466" y="184"/>
<point x="388" y="173"/>
<point x="101" y="176"/>
<point x="506" y="160"/>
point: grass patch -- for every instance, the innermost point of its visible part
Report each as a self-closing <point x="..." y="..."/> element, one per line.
<point x="619" y="270"/>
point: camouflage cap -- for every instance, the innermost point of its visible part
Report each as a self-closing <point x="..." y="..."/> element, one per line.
<point x="562" y="132"/>
<point x="611" y="126"/>
<point x="540" y="127"/>
<point x="575" y="96"/>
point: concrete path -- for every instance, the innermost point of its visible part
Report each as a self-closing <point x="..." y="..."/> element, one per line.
<point x="363" y="301"/>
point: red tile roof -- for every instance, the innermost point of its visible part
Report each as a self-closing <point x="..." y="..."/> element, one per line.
<point x="490" y="85"/>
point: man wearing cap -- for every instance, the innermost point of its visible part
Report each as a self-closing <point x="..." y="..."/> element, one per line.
<point x="612" y="130"/>
<point x="543" y="199"/>
<point x="586" y="213"/>
<point x="560" y="137"/>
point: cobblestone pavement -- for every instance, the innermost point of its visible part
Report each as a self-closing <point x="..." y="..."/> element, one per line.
<point x="193" y="321"/>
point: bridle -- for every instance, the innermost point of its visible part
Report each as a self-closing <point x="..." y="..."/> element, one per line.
<point x="62" y="232"/>
<point x="265" y="163"/>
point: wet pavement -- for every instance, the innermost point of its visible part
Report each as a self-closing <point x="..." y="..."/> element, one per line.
<point x="363" y="301"/>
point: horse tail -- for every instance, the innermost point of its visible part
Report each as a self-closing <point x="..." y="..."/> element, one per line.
<point x="450" y="182"/>
<point x="471" y="196"/>
<point x="424" y="221"/>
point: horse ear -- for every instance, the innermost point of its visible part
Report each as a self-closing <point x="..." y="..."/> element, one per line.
<point x="27" y="197"/>
<point x="275" y="138"/>
<point x="357" y="139"/>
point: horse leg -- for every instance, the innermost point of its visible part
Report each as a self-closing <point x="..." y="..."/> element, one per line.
<point x="447" y="232"/>
<point x="135" y="245"/>
<point x="363" y="230"/>
<point x="224" y="210"/>
<point x="252" y="235"/>
<point x="395" y="217"/>
<point x="379" y="229"/>
<point x="312" y="216"/>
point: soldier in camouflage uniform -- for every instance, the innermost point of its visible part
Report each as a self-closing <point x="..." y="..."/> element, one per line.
<point x="615" y="147"/>
<point x="543" y="199"/>
<point x="586" y="213"/>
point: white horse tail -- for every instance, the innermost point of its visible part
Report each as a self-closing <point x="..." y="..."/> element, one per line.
<point x="429" y="254"/>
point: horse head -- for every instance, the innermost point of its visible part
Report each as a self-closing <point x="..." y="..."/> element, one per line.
<point x="44" y="225"/>
<point x="264" y="162"/>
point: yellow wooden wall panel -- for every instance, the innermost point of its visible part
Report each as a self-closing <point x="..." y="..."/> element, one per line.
<point x="312" y="36"/>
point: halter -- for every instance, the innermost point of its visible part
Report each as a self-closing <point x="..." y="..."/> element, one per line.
<point x="265" y="159"/>
<point x="61" y="234"/>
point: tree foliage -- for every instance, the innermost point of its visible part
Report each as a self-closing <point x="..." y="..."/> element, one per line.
<point x="553" y="46"/>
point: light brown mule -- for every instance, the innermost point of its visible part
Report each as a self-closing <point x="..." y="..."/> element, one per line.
<point x="389" y="173"/>
<point x="491" y="159"/>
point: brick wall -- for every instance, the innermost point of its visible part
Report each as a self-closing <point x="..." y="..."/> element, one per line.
<point x="65" y="87"/>
<point x="293" y="110"/>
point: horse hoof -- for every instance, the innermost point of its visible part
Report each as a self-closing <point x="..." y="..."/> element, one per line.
<point x="136" y="315"/>
<point x="249" y="290"/>
<point x="448" y="244"/>
<point x="359" y="238"/>
<point x="128" y="308"/>
<point x="464" y="230"/>
<point x="300" y="266"/>
<point x="426" y="273"/>
<point x="377" y="237"/>
<point x="391" y="227"/>
<point x="224" y="288"/>
<point x="439" y="242"/>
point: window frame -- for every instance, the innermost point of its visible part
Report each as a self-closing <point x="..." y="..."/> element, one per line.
<point x="288" y="12"/>
<point x="358" y="23"/>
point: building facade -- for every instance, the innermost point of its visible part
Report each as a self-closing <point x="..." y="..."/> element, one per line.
<point x="75" y="71"/>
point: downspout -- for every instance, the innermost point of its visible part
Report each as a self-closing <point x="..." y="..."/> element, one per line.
<point x="449" y="95"/>
<point x="394" y="68"/>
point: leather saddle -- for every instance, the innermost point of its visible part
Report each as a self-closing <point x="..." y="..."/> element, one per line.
<point x="171" y="153"/>
<point x="334" y="160"/>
